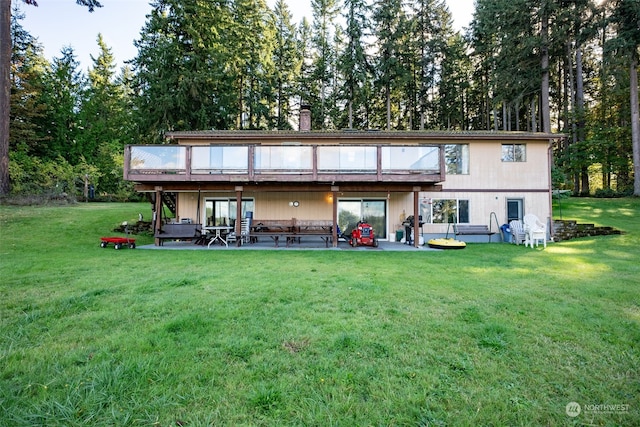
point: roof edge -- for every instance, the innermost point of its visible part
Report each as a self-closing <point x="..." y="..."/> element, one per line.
<point x="358" y="134"/>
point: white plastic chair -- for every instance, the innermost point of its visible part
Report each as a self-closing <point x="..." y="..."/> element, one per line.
<point x="244" y="233"/>
<point x="535" y="231"/>
<point x="517" y="232"/>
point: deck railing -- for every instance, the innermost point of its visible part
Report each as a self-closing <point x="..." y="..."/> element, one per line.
<point x="272" y="162"/>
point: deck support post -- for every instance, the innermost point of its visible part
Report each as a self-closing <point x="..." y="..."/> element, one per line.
<point x="334" y="228"/>
<point x="238" y="227"/>
<point x="157" y="215"/>
<point x="416" y="216"/>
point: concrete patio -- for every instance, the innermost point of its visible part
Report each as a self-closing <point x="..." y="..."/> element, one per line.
<point x="304" y="245"/>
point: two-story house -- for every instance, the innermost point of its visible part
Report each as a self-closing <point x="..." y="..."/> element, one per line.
<point x="215" y="177"/>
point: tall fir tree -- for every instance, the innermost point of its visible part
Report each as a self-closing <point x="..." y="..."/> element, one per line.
<point x="183" y="79"/>
<point x="106" y="119"/>
<point x="64" y="90"/>
<point x="287" y="61"/>
<point x="27" y="70"/>
<point x="354" y="65"/>
<point x="626" y="17"/>
<point x="5" y="84"/>
<point x="389" y="22"/>
<point x="324" y="15"/>
<point x="253" y="36"/>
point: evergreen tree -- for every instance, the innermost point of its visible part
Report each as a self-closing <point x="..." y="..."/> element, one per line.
<point x="454" y="85"/>
<point x="324" y="14"/>
<point x="183" y="78"/>
<point x="252" y="36"/>
<point x="354" y="65"/>
<point x="5" y="84"/>
<point x="63" y="92"/>
<point x="431" y="31"/>
<point x="106" y="119"/>
<point x="389" y="23"/>
<point x="626" y="17"/>
<point x="27" y="69"/>
<point x="287" y="62"/>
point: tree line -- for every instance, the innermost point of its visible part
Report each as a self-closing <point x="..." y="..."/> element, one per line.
<point x="567" y="66"/>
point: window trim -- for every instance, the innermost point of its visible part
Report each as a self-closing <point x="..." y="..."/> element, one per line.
<point x="517" y="153"/>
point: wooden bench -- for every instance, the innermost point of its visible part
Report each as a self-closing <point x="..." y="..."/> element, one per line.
<point x="472" y="230"/>
<point x="272" y="224"/>
<point x="272" y="228"/>
<point x="291" y="230"/>
<point x="178" y="232"/>
<point x="314" y="228"/>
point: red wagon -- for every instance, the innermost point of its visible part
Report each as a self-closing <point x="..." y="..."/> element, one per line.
<point x="118" y="242"/>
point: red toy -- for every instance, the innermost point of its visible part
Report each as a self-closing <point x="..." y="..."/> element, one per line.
<point x="363" y="235"/>
<point x="118" y="242"/>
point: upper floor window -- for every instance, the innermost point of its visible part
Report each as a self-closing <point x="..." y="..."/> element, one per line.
<point x="457" y="159"/>
<point x="514" y="153"/>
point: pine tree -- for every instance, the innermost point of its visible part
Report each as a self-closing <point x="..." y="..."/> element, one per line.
<point x="324" y="14"/>
<point x="63" y="92"/>
<point x="252" y="36"/>
<point x="287" y="62"/>
<point x="626" y="16"/>
<point x="106" y="119"/>
<point x="354" y="66"/>
<point x="5" y="84"/>
<point x="27" y="69"/>
<point x="454" y="85"/>
<point x="389" y="20"/>
<point x="430" y="35"/>
<point x="182" y="69"/>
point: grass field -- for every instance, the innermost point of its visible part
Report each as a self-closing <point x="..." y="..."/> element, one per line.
<point x="493" y="335"/>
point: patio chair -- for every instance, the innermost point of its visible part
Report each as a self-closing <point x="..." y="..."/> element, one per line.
<point x="517" y="232"/>
<point x="534" y="230"/>
<point x="244" y="233"/>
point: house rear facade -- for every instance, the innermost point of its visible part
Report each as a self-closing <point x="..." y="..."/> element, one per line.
<point x="215" y="177"/>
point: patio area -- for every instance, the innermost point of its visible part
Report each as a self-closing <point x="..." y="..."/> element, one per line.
<point x="268" y="244"/>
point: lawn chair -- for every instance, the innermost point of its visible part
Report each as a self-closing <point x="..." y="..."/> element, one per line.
<point x="517" y="232"/>
<point x="534" y="230"/>
<point x="244" y="233"/>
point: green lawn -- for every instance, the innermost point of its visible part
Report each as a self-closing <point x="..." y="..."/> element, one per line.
<point x="493" y="335"/>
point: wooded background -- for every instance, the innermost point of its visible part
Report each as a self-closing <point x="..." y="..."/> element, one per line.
<point x="567" y="66"/>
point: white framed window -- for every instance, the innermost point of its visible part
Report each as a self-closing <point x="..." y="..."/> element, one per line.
<point x="456" y="157"/>
<point x="514" y="153"/>
<point x="446" y="211"/>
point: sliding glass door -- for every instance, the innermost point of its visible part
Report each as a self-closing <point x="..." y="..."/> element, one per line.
<point x="372" y="211"/>
<point x="222" y="212"/>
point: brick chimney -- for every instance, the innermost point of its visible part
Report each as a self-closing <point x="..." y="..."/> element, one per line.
<point x="305" y="118"/>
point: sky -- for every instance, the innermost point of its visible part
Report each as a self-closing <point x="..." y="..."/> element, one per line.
<point x="60" y="23"/>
